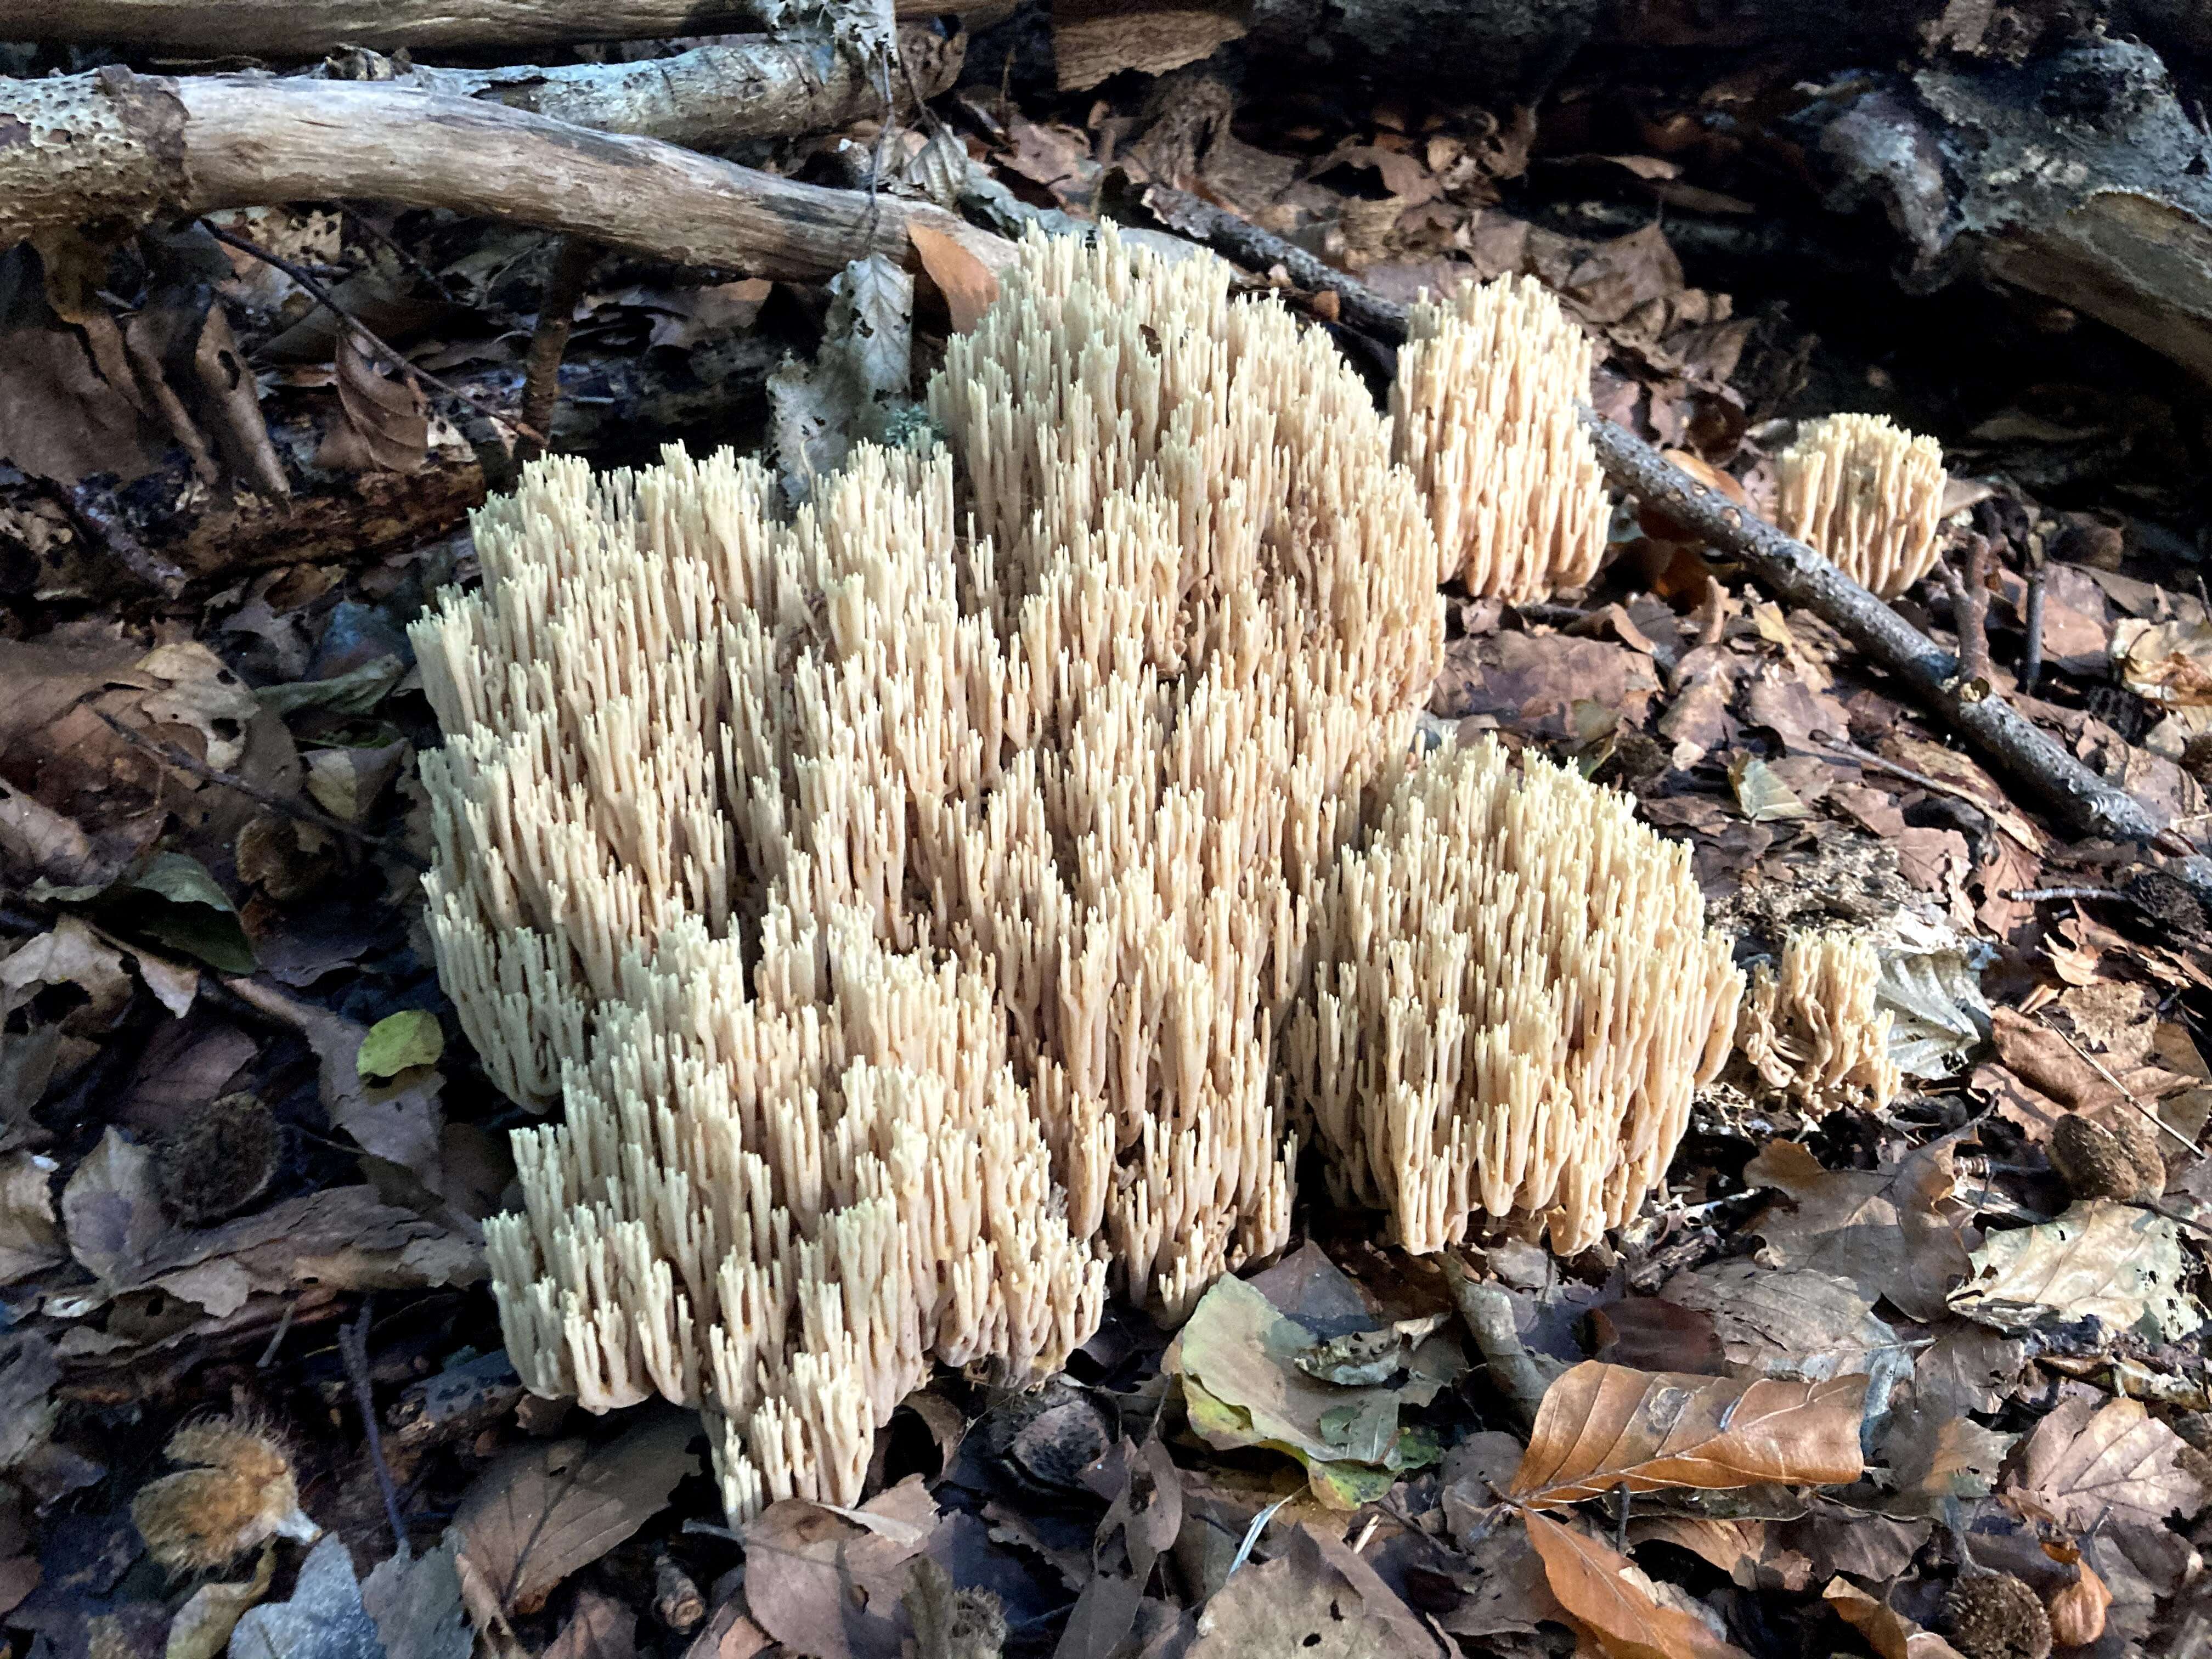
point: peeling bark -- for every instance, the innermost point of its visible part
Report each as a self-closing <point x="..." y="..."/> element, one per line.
<point x="2079" y="176"/>
<point x="112" y="148"/>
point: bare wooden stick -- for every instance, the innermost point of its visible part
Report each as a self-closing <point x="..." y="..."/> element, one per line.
<point x="549" y="341"/>
<point x="169" y="753"/>
<point x="353" y="1351"/>
<point x="119" y="148"/>
<point x="2031" y="655"/>
<point x="2080" y="800"/>
<point x="760" y="88"/>
<point x="1240" y="240"/>
<point x="298" y="29"/>
<point x="1967" y="576"/>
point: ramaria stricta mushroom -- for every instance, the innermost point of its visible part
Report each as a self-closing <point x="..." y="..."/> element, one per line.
<point x="1812" y="1029"/>
<point x="1867" y="495"/>
<point x="1516" y="998"/>
<point x="1484" y="414"/>
<point x="902" y="898"/>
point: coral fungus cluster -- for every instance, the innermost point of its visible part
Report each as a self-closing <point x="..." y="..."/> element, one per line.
<point x="1868" y="494"/>
<point x="903" y="899"/>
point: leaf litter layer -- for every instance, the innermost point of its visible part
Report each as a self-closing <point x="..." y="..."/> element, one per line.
<point x="1852" y="1355"/>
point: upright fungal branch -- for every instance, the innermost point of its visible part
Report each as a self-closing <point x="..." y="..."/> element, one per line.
<point x="1484" y="411"/>
<point x="895" y="911"/>
<point x="1516" y="998"/>
<point x="1812" y="1030"/>
<point x="1867" y="494"/>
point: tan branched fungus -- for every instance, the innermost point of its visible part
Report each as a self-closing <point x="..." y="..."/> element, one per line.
<point x="1516" y="998"/>
<point x="1811" y="1029"/>
<point x="1484" y="414"/>
<point x="897" y="905"/>
<point x="1866" y="494"/>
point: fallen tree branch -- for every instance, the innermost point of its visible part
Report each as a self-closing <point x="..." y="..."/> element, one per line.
<point x="298" y="29"/>
<point x="711" y="95"/>
<point x="1240" y="240"/>
<point x="2084" y="803"/>
<point x="113" y="149"/>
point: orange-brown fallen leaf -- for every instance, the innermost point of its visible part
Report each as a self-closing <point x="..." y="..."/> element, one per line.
<point x="967" y="284"/>
<point x="1612" y="1602"/>
<point x="1605" y="1426"/>
<point x="1887" y="1632"/>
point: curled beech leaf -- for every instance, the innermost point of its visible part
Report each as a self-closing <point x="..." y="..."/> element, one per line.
<point x="1605" y="1426"/>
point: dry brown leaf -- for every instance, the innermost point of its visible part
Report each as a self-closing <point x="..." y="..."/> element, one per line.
<point x="1887" y="1632"/>
<point x="1897" y="1232"/>
<point x="2168" y="663"/>
<point x="1604" y="1426"/>
<point x="967" y="284"/>
<point x="1611" y="1599"/>
<point x="2103" y="1258"/>
<point x="1749" y="1551"/>
<point x="1796" y="1324"/>
<point x="541" y="1512"/>
<point x="384" y="416"/>
<point x="2114" y="1463"/>
<point x="728" y="1634"/>
<point x="1938" y="1459"/>
<point x="831" y="1583"/>
<point x="600" y="1628"/>
<point x="1318" y="1599"/>
<point x="30" y="1236"/>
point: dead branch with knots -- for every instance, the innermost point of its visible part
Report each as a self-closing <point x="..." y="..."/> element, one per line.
<point x="300" y="29"/>
<point x="112" y="149"/>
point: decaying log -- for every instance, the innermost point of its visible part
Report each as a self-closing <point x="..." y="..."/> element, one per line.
<point x="2082" y="802"/>
<point x="756" y="88"/>
<point x="111" y="150"/>
<point x="280" y="30"/>
<point x="2080" y="176"/>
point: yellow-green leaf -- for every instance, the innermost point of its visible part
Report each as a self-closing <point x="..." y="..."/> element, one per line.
<point x="409" y="1037"/>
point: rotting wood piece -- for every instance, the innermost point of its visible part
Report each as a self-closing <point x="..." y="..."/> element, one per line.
<point x="752" y="88"/>
<point x="297" y="30"/>
<point x="171" y="537"/>
<point x="110" y="150"/>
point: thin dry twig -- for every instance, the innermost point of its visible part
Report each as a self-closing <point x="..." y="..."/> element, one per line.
<point x="2126" y="1093"/>
<point x="367" y="336"/>
<point x="1966" y="574"/>
<point x="2031" y="656"/>
<point x="353" y="1350"/>
<point x="275" y="803"/>
<point x="573" y="258"/>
